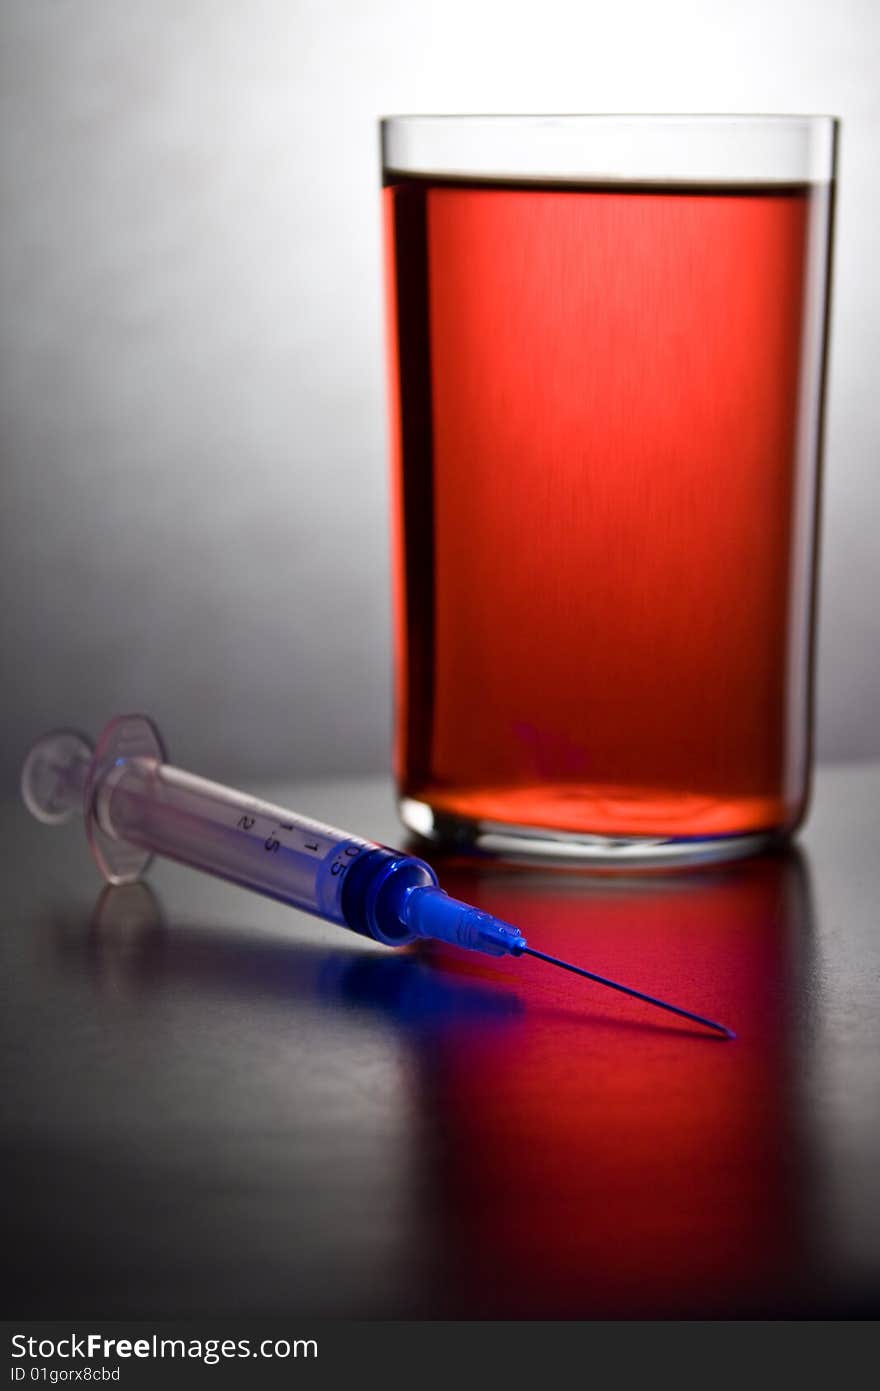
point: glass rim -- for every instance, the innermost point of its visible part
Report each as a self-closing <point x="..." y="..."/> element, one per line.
<point x="771" y="117"/>
<point x="671" y="147"/>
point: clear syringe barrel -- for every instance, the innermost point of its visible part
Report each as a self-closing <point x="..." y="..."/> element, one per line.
<point x="254" y="843"/>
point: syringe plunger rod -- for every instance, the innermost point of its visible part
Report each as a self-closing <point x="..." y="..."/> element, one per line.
<point x="135" y="804"/>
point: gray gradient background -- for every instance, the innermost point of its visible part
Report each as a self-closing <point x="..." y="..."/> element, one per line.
<point x="193" y="516"/>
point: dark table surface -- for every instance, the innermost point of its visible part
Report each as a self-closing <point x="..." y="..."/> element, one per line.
<point x="215" y="1105"/>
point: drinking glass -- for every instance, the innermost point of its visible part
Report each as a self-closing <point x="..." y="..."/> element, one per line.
<point x="606" y="363"/>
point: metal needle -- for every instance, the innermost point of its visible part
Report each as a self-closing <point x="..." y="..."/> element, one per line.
<point x="628" y="990"/>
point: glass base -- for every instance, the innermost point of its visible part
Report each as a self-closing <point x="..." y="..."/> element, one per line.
<point x="494" y="838"/>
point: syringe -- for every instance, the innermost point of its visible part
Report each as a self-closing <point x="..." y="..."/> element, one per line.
<point x="135" y="804"/>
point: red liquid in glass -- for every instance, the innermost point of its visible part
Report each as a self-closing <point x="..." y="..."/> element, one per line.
<point x="605" y="463"/>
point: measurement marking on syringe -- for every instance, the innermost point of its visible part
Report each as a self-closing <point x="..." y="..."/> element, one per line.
<point x="272" y="844"/>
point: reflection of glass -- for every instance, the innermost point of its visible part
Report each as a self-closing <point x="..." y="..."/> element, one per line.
<point x="606" y="377"/>
<point x="645" y="1169"/>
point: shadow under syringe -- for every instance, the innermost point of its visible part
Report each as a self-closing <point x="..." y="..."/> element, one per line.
<point x="128" y="948"/>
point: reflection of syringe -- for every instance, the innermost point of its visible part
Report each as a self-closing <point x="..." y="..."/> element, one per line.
<point x="136" y="805"/>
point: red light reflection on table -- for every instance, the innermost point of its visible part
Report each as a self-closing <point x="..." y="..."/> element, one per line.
<point x="601" y="1157"/>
